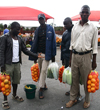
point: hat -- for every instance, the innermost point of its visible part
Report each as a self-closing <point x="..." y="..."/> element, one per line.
<point x="41" y="16"/>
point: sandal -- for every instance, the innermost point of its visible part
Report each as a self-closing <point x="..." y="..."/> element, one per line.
<point x="45" y="87"/>
<point x="5" y="105"/>
<point x="41" y="94"/>
<point x="86" y="104"/>
<point x="67" y="93"/>
<point x="17" y="98"/>
<point x="71" y="103"/>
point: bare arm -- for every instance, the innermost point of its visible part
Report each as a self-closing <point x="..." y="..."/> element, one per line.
<point x="94" y="64"/>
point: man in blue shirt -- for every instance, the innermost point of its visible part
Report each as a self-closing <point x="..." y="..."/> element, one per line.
<point x="5" y="29"/>
<point x="45" y="43"/>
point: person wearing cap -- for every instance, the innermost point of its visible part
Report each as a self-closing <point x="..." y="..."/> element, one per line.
<point x="44" y="42"/>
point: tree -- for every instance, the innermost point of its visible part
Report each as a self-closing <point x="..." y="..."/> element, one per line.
<point x="1" y="27"/>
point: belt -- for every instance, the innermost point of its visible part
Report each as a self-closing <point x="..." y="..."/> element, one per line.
<point x="15" y="62"/>
<point x="80" y="53"/>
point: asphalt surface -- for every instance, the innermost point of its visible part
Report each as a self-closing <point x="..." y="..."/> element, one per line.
<point x="55" y="98"/>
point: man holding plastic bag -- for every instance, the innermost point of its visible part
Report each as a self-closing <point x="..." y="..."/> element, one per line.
<point x="45" y="43"/>
<point x="65" y="44"/>
<point x="83" y="49"/>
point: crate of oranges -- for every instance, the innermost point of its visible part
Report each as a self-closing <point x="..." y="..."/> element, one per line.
<point x="35" y="72"/>
<point x="61" y="69"/>
<point x="93" y="82"/>
<point x="5" y="84"/>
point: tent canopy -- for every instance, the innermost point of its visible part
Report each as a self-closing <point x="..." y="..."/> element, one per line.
<point x="94" y="16"/>
<point x="21" y="13"/>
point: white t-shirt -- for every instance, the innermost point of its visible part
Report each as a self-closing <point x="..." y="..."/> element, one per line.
<point x="15" y="57"/>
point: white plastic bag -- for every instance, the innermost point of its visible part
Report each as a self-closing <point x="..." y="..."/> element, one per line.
<point x="49" y="73"/>
<point x="54" y="69"/>
<point x="67" y="76"/>
<point x="64" y="76"/>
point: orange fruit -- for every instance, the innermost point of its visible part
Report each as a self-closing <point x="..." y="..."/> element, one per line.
<point x="7" y="93"/>
<point x="98" y="80"/>
<point x="34" y="79"/>
<point x="93" y="80"/>
<point x="89" y="90"/>
<point x="89" y="82"/>
<point x="90" y="76"/>
<point x="93" y="91"/>
<point x="35" y="70"/>
<point x="92" y="84"/>
<point x="9" y="82"/>
<point x="6" y="81"/>
<point x="97" y="87"/>
<point x="94" y="76"/>
<point x="2" y="84"/>
<point x="93" y="88"/>
<point x="35" y="73"/>
<point x="10" y="87"/>
<point x="37" y="67"/>
<point x="97" y="84"/>
<point x="89" y="86"/>
<point x="3" y="89"/>
<point x="37" y="78"/>
<point x="32" y="71"/>
<point x="7" y="90"/>
<point x="6" y="86"/>
<point x="4" y="92"/>
<point x="8" y="77"/>
<point x="2" y="78"/>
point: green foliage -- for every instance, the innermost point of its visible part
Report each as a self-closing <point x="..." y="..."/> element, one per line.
<point x="27" y="29"/>
<point x="9" y="26"/>
<point x="1" y="27"/>
<point x="58" y="28"/>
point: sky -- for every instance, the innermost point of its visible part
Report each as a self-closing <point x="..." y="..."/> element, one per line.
<point x="59" y="9"/>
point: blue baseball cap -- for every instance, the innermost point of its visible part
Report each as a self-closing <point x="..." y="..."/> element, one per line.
<point x="41" y="16"/>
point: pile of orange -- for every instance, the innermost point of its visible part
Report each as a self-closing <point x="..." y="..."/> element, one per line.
<point x="58" y="40"/>
<point x="35" y="72"/>
<point x="61" y="73"/>
<point x="93" y="82"/>
<point x="5" y="84"/>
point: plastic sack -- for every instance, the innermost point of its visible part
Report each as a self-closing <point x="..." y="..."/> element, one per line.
<point x="68" y="75"/>
<point x="5" y="84"/>
<point x="53" y="68"/>
<point x="93" y="82"/>
<point x="61" y="69"/>
<point x="49" y="73"/>
<point x="35" y="73"/>
<point x="64" y="78"/>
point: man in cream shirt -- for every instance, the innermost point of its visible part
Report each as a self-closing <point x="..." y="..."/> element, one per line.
<point x="83" y="54"/>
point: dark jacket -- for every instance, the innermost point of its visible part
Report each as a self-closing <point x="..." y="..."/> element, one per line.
<point x="65" y="44"/>
<point x="50" y="50"/>
<point x="6" y="49"/>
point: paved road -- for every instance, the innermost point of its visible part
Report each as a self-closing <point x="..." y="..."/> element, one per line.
<point x="54" y="96"/>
